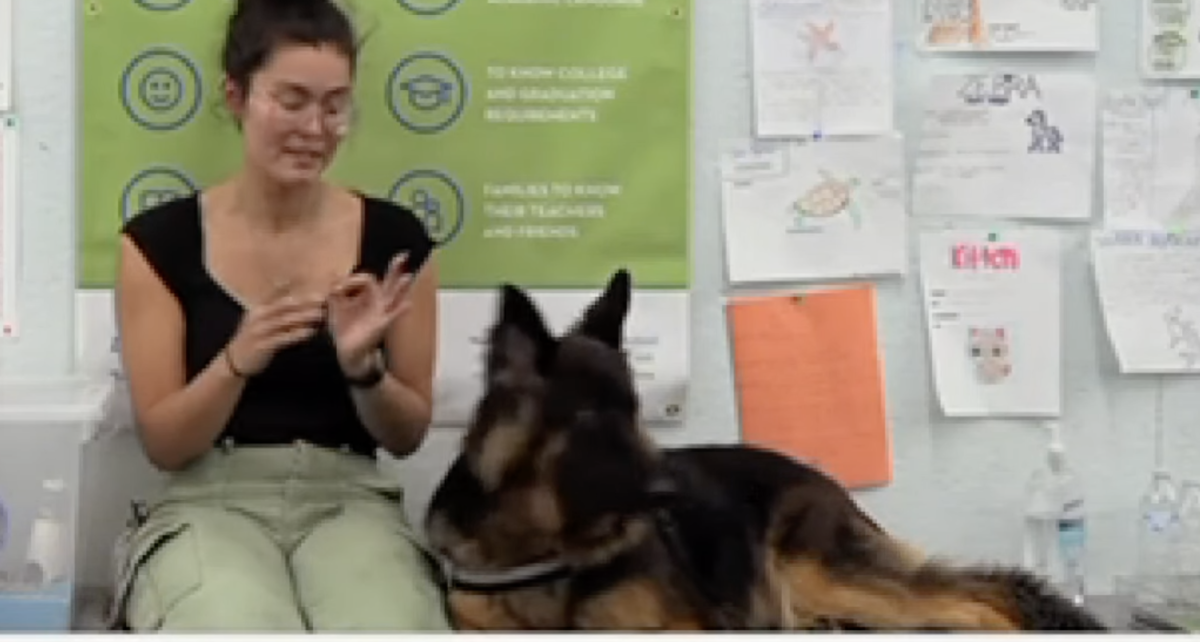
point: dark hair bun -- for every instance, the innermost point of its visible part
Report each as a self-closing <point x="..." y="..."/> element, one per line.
<point x="257" y="27"/>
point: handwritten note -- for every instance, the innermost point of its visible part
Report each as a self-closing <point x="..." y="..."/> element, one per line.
<point x="1149" y="287"/>
<point x="815" y="210"/>
<point x="1007" y="145"/>
<point x="1168" y="39"/>
<point x="992" y="311"/>
<point x="809" y="381"/>
<point x="8" y="226"/>
<point x="822" y="67"/>
<point x="1151" y="158"/>
<point x="1010" y="25"/>
<point x="6" y="55"/>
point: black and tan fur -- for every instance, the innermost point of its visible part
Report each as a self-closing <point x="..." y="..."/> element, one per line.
<point x="556" y="466"/>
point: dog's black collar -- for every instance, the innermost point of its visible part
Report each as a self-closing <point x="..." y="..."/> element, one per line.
<point x="509" y="579"/>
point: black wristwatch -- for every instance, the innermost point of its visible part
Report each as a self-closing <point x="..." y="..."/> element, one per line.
<point x="372" y="377"/>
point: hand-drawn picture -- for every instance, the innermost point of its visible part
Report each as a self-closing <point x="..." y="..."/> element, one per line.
<point x="1169" y="13"/>
<point x="1046" y="138"/>
<point x="823" y="48"/>
<point x="1184" y="338"/>
<point x="954" y="22"/>
<point x="989" y="351"/>
<point x="1168" y="51"/>
<point x="830" y="197"/>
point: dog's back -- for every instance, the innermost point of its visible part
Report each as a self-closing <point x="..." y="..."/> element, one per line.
<point x="826" y="564"/>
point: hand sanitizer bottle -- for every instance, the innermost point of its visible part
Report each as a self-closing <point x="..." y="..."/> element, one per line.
<point x="1070" y="517"/>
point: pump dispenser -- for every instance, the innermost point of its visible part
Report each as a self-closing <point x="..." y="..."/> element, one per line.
<point x="1055" y="519"/>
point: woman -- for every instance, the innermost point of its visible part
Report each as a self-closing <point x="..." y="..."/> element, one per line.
<point x="277" y="330"/>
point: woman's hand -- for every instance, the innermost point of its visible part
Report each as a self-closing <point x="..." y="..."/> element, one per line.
<point x="361" y="309"/>
<point x="266" y="328"/>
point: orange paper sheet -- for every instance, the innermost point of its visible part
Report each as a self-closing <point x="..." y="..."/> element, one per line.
<point x="810" y="382"/>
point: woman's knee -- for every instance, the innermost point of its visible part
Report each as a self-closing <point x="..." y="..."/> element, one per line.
<point x="361" y="571"/>
<point x="208" y="571"/>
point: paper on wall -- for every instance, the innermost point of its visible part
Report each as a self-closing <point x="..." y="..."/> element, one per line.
<point x="1151" y="158"/>
<point x="1167" y="44"/>
<point x="7" y="62"/>
<point x="809" y="381"/>
<point x="1009" y="25"/>
<point x="822" y="67"/>
<point x="1149" y="287"/>
<point x="97" y="351"/>
<point x="656" y="339"/>
<point x="992" y="311"/>
<point x="9" y="226"/>
<point x="815" y="210"/>
<point x="1007" y="145"/>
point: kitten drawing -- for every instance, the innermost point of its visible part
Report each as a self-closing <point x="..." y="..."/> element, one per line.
<point x="989" y="351"/>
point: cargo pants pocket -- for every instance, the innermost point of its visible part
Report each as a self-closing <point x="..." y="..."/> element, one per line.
<point x="161" y="567"/>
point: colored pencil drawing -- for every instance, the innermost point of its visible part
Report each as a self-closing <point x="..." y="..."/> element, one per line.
<point x="989" y="352"/>
<point x="828" y="198"/>
<point x="823" y="48"/>
<point x="955" y="22"/>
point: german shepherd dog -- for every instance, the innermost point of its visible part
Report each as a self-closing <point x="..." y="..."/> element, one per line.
<point x="561" y="513"/>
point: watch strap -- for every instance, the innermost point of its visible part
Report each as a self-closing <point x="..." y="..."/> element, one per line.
<point x="371" y="378"/>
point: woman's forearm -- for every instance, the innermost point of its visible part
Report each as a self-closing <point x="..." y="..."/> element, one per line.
<point x="394" y="414"/>
<point x="183" y="426"/>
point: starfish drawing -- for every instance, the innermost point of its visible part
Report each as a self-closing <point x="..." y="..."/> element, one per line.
<point x="820" y="39"/>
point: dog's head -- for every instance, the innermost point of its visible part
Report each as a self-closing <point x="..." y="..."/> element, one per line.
<point x="559" y="418"/>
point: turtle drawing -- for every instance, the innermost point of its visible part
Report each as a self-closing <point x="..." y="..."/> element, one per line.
<point x="828" y="198"/>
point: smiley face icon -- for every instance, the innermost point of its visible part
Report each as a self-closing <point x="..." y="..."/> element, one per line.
<point x="436" y="199"/>
<point x="428" y="7"/>
<point x="154" y="186"/>
<point x="161" y="89"/>
<point x="427" y="92"/>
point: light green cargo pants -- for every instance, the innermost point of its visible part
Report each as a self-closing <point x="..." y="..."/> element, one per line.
<point x="288" y="538"/>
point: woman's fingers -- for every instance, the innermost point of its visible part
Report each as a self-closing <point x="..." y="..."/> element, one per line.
<point x="354" y="285"/>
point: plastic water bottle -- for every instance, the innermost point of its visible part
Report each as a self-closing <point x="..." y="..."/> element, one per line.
<point x="1189" y="541"/>
<point x="1158" y="529"/>
<point x="1072" y="534"/>
<point x="1040" y="534"/>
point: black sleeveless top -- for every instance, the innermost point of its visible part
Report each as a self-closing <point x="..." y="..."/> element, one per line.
<point x="301" y="395"/>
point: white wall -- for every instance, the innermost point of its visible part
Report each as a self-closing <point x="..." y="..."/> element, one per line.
<point x="958" y="484"/>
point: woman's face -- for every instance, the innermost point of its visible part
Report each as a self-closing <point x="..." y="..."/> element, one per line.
<point x="296" y="112"/>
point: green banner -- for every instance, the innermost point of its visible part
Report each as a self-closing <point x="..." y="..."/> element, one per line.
<point x="543" y="142"/>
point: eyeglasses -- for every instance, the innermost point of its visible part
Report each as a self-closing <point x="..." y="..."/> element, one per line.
<point x="296" y="108"/>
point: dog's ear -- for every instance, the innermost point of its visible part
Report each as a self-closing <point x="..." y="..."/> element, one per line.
<point x="605" y="318"/>
<point x="520" y="337"/>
